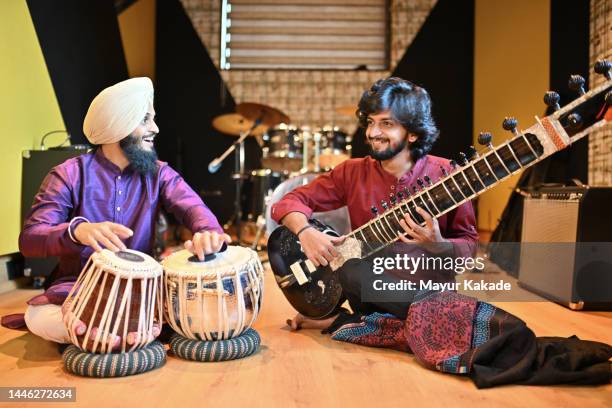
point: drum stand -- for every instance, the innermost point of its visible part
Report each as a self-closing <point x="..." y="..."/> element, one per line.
<point x="237" y="176"/>
<point x="261" y="224"/>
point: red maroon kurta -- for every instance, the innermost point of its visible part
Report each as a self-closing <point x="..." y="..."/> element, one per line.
<point x="361" y="183"/>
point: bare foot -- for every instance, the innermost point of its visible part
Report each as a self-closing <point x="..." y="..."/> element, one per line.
<point x="302" y="322"/>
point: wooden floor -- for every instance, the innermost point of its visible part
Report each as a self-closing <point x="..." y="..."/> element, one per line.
<point x="301" y="369"/>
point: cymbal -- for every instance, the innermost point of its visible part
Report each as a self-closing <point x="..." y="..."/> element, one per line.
<point x="346" y="110"/>
<point x="268" y="115"/>
<point x="234" y="123"/>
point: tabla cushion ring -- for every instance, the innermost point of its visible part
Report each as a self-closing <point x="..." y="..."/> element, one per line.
<point x="220" y="350"/>
<point x="86" y="364"/>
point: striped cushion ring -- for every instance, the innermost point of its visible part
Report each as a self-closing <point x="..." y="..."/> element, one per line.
<point x="220" y="350"/>
<point x="86" y="364"/>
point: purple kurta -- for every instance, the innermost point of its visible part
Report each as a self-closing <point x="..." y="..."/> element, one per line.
<point x="93" y="187"/>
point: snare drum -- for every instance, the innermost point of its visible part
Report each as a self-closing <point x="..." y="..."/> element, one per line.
<point x="116" y="293"/>
<point x="215" y="299"/>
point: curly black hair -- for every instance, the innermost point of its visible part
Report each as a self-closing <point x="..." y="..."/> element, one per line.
<point x="409" y="104"/>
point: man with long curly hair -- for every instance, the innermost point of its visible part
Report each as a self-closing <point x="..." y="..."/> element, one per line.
<point x="400" y="132"/>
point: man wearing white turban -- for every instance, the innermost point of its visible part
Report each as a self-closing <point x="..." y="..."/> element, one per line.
<point x="108" y="198"/>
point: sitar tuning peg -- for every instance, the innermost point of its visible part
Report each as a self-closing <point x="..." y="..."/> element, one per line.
<point x="453" y="164"/>
<point x="576" y="83"/>
<point x="472" y="153"/>
<point x="603" y="67"/>
<point x="384" y="205"/>
<point x="510" y="124"/>
<point x="443" y="170"/>
<point x="551" y="99"/>
<point x="484" y="138"/>
<point x="392" y="198"/>
<point x="374" y="210"/>
<point x="427" y="179"/>
<point x="462" y="159"/>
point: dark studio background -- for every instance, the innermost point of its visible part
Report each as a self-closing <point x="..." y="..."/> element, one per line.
<point x="82" y="48"/>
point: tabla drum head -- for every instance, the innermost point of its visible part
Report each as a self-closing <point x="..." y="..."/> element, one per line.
<point x="127" y="263"/>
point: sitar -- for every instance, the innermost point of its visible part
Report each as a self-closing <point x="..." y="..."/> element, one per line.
<point x="316" y="291"/>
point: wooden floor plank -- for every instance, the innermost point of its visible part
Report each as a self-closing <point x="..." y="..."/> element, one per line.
<point x="303" y="369"/>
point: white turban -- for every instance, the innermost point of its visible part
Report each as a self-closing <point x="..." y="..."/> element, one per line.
<point x="117" y="110"/>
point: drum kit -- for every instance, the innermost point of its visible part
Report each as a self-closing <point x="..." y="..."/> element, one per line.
<point x="116" y="309"/>
<point x="291" y="156"/>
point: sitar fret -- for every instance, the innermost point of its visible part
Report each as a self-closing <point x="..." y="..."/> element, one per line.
<point x="472" y="178"/>
<point x="497" y="165"/>
<point x="393" y="231"/>
<point x="442" y="197"/>
<point x="423" y="203"/>
<point x="380" y="228"/>
<point x="484" y="171"/>
<point x="508" y="157"/>
<point x="454" y="189"/>
<point x="432" y="202"/>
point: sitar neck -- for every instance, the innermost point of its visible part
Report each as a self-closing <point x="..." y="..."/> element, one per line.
<point x="547" y="136"/>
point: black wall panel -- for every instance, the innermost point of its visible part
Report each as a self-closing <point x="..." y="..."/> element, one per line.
<point x="189" y="94"/>
<point x="441" y="59"/>
<point x="81" y="43"/>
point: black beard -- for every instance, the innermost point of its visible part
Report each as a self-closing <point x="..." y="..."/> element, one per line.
<point x="389" y="153"/>
<point x="142" y="161"/>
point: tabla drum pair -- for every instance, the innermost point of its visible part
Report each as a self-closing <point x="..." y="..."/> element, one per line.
<point x="119" y="300"/>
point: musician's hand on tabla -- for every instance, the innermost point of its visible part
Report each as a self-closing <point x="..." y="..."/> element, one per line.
<point x="100" y="235"/>
<point x="206" y="242"/>
<point x="80" y="329"/>
<point x="428" y="236"/>
<point x="318" y="246"/>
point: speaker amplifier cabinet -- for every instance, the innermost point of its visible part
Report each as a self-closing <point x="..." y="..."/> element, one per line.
<point x="566" y="249"/>
<point x="35" y="166"/>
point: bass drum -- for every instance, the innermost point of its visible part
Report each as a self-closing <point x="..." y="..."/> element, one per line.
<point x="256" y="190"/>
<point x="338" y="219"/>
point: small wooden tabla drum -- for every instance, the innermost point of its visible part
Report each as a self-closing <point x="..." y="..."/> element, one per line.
<point x="213" y="300"/>
<point x="116" y="293"/>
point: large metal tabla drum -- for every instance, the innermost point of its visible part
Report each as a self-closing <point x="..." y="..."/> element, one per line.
<point x="212" y="304"/>
<point x="338" y="219"/>
<point x="335" y="147"/>
<point x="117" y="295"/>
<point x="282" y="148"/>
